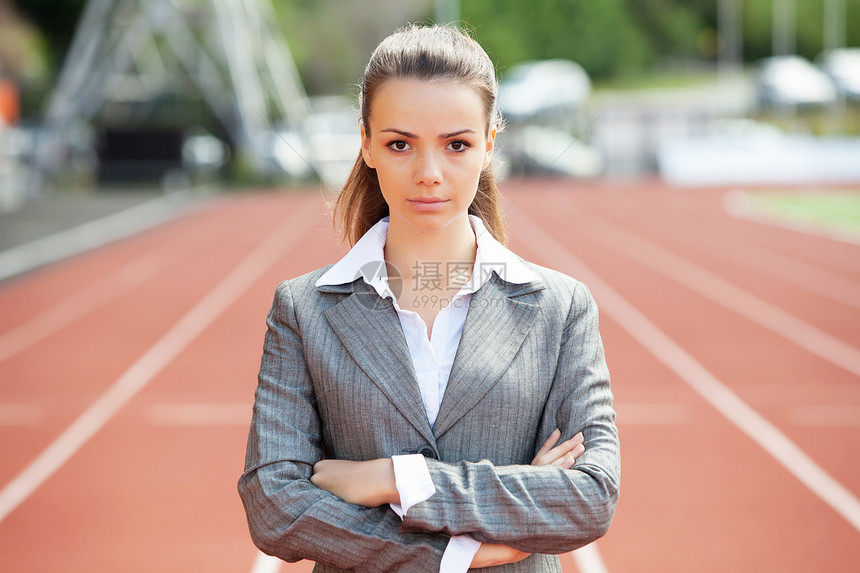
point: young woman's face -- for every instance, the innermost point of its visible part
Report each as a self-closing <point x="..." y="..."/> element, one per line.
<point x="428" y="142"/>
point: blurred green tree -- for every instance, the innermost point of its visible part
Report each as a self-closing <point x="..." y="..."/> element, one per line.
<point x="331" y="39"/>
<point x="758" y="24"/>
<point x="601" y="36"/>
<point x="57" y="19"/>
<point x="672" y="28"/>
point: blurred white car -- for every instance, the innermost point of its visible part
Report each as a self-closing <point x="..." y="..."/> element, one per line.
<point x="202" y="152"/>
<point x="792" y="81"/>
<point x="326" y="143"/>
<point x="537" y="149"/>
<point x="843" y="67"/>
<point x="546" y="87"/>
<point x="540" y="101"/>
<point x="331" y="135"/>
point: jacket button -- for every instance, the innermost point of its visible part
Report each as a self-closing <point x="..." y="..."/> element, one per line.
<point x="427" y="452"/>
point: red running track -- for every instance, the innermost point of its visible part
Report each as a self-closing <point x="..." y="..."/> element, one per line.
<point x="127" y="374"/>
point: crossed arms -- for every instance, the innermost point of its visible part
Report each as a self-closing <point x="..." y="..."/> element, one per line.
<point x="298" y="506"/>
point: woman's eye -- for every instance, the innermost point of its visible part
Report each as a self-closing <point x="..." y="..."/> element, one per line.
<point x="398" y="145"/>
<point x="458" y="146"/>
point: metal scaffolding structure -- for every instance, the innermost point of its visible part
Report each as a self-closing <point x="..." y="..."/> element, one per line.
<point x="136" y="51"/>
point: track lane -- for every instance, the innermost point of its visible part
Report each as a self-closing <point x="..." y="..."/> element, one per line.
<point x="780" y="278"/>
<point x="82" y="549"/>
<point x="764" y="310"/>
<point x="665" y="303"/>
<point x="66" y="371"/>
<point x="813" y="248"/>
<point x="697" y="495"/>
<point x="718" y="335"/>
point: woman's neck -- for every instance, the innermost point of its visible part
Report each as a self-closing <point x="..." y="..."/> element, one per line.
<point x="442" y="252"/>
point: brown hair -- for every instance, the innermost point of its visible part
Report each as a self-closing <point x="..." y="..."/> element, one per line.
<point x="426" y="53"/>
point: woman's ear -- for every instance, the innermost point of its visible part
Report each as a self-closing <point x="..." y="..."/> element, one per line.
<point x="491" y="145"/>
<point x="365" y="148"/>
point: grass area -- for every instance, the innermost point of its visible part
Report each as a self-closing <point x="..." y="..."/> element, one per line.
<point x="823" y="122"/>
<point x="836" y="210"/>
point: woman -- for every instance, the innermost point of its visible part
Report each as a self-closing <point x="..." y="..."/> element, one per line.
<point x="412" y="397"/>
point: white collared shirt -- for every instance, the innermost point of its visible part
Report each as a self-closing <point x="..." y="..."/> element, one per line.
<point x="432" y="356"/>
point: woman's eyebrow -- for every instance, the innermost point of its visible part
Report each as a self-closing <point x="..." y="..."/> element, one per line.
<point x="399" y="131"/>
<point x="456" y="133"/>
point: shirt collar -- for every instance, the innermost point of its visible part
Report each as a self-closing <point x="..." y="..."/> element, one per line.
<point x="366" y="260"/>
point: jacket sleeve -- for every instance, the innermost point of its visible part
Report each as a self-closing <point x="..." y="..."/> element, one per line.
<point x="541" y="509"/>
<point x="287" y="515"/>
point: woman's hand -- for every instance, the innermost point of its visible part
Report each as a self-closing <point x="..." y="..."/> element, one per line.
<point x="564" y="456"/>
<point x="369" y="483"/>
<point x="492" y="554"/>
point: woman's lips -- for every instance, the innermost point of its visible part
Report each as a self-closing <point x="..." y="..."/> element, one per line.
<point x="427" y="203"/>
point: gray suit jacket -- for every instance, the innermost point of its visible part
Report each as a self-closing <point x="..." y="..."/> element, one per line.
<point x="337" y="381"/>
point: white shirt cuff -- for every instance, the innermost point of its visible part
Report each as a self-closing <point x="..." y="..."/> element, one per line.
<point x="458" y="554"/>
<point x="413" y="482"/>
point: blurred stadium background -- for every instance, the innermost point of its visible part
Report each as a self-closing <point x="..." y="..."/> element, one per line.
<point x="177" y="93"/>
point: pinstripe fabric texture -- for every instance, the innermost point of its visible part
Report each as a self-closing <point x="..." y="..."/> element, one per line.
<point x="336" y="380"/>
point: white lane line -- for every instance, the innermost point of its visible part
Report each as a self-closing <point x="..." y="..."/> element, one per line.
<point x="635" y="414"/>
<point x="738" y="412"/>
<point x="812" y="278"/>
<point x="728" y="295"/>
<point x="804" y="275"/>
<point x="157" y="357"/>
<point x="79" y="305"/>
<point x="266" y="564"/>
<point x="826" y="416"/>
<point x="200" y="414"/>
<point x="20" y="414"/>
<point x="588" y="560"/>
<point x="87" y="236"/>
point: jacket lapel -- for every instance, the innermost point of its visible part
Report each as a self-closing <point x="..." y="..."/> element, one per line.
<point x="369" y="329"/>
<point x="495" y="328"/>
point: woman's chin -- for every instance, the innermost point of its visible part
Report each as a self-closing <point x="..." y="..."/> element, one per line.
<point x="429" y="222"/>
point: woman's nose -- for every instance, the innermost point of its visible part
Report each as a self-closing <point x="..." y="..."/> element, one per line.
<point x="427" y="169"/>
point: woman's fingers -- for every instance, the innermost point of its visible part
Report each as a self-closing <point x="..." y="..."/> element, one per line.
<point x="491" y="555"/>
<point x="548" y="444"/>
<point x="568" y="460"/>
<point x="563" y="455"/>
